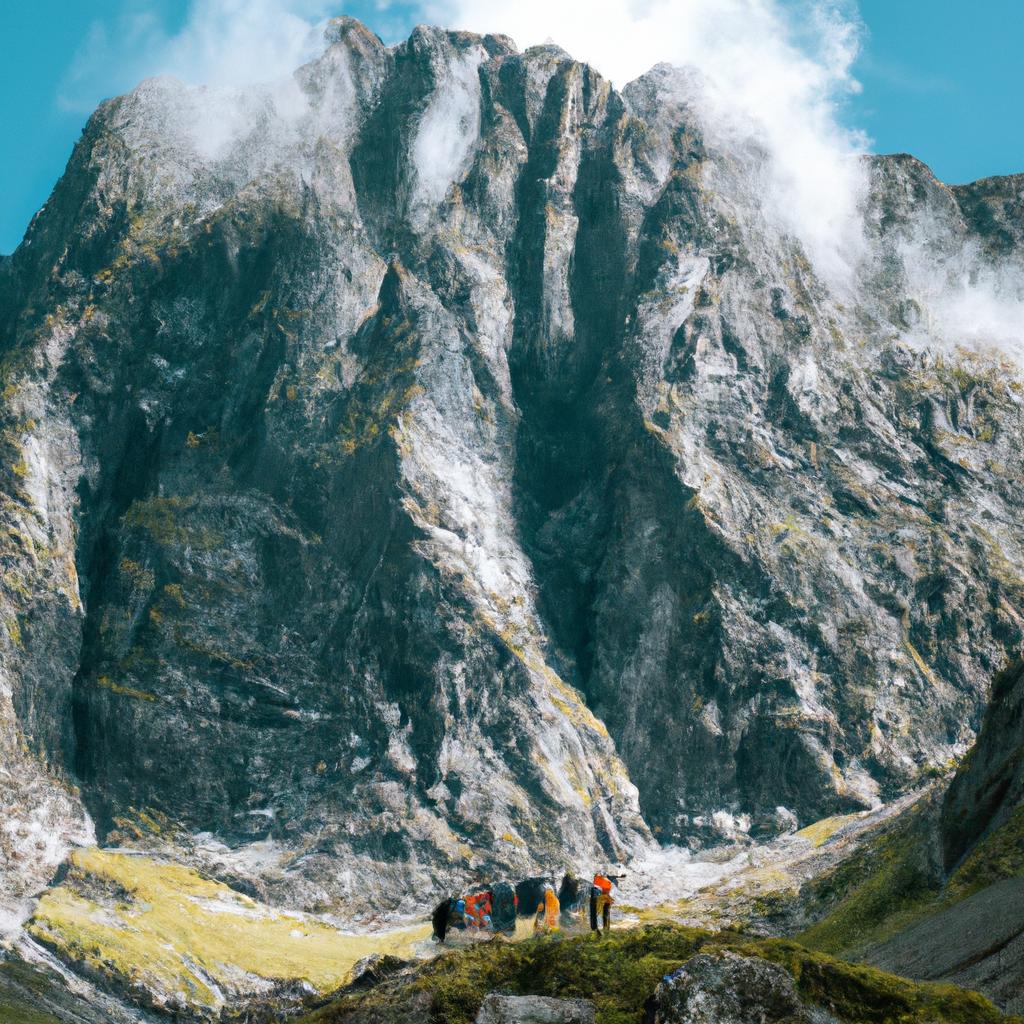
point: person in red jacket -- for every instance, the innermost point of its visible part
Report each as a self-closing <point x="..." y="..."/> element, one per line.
<point x="478" y="907"/>
<point x="601" y="901"/>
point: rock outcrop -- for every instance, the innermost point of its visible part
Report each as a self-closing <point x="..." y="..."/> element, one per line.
<point x="660" y="974"/>
<point x="499" y="1009"/>
<point x="724" y="988"/>
<point x="444" y="462"/>
<point x="987" y="955"/>
<point x="945" y="862"/>
<point x="987" y="793"/>
<point x="980" y="845"/>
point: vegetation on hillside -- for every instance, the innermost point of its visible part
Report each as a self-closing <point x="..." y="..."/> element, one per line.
<point x="621" y="971"/>
<point x="896" y="881"/>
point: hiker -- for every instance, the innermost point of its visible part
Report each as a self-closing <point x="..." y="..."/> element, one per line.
<point x="546" y="920"/>
<point x="439" y="919"/>
<point x="448" y="914"/>
<point x="530" y="891"/>
<point x="601" y="901"/>
<point x="569" y="898"/>
<point x="504" y="906"/>
<point x="478" y="906"/>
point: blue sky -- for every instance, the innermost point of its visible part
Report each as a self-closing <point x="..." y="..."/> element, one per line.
<point x="941" y="79"/>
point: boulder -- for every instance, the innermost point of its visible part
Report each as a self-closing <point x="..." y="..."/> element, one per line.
<point x="499" y="1009"/>
<point x="724" y="988"/>
<point x="373" y="969"/>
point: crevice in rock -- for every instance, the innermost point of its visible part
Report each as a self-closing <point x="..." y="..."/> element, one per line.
<point x="98" y="552"/>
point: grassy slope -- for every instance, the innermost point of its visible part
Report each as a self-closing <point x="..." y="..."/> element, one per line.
<point x="893" y="884"/>
<point x="18" y="988"/>
<point x="12" y="1012"/>
<point x="132" y="919"/>
<point x="621" y="971"/>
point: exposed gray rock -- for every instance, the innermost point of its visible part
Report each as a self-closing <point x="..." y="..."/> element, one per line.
<point x="373" y="969"/>
<point x="378" y="512"/>
<point x="499" y="1009"/>
<point x="723" y="988"/>
<point x="34" y="987"/>
<point x="989" y="786"/>
<point x="977" y="944"/>
<point x="979" y="838"/>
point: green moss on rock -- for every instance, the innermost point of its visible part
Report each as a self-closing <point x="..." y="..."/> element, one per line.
<point x="15" y="1012"/>
<point x="620" y="971"/>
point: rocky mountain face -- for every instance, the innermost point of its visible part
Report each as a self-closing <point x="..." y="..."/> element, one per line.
<point x="987" y="793"/>
<point x="445" y="462"/>
<point x="891" y="887"/>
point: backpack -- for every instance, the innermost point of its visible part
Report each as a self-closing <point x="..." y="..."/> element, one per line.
<point x="503" y="907"/>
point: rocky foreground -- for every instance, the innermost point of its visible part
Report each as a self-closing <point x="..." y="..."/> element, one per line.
<point x="933" y="891"/>
<point x="658" y="974"/>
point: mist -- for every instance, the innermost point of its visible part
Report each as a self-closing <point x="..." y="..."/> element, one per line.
<point x="222" y="43"/>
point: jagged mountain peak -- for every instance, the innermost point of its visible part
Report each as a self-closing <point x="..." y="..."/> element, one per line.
<point x="460" y="465"/>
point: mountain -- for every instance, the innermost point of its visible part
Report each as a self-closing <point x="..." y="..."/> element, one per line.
<point x="443" y="462"/>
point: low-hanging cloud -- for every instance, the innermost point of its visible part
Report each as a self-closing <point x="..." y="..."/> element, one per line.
<point x="236" y="59"/>
<point x="968" y="302"/>
<point x="775" y="73"/>
<point x="222" y="43"/>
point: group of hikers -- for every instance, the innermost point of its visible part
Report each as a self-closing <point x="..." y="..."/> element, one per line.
<point x="495" y="908"/>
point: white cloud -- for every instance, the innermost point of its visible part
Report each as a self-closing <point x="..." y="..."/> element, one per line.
<point x="236" y="42"/>
<point x="771" y="72"/>
<point x="776" y="72"/>
<point x="967" y="301"/>
<point x="222" y="43"/>
<point x="447" y="130"/>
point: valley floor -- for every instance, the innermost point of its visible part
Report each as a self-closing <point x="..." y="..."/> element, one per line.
<point x="128" y="938"/>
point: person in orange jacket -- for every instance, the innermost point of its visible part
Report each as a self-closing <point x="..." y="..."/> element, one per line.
<point x="478" y="907"/>
<point x="547" y="912"/>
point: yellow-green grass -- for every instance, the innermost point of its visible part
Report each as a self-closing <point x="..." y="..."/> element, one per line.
<point x="822" y="831"/>
<point x="23" y="991"/>
<point x="12" y="1011"/>
<point x="166" y="928"/>
<point x="660" y="913"/>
